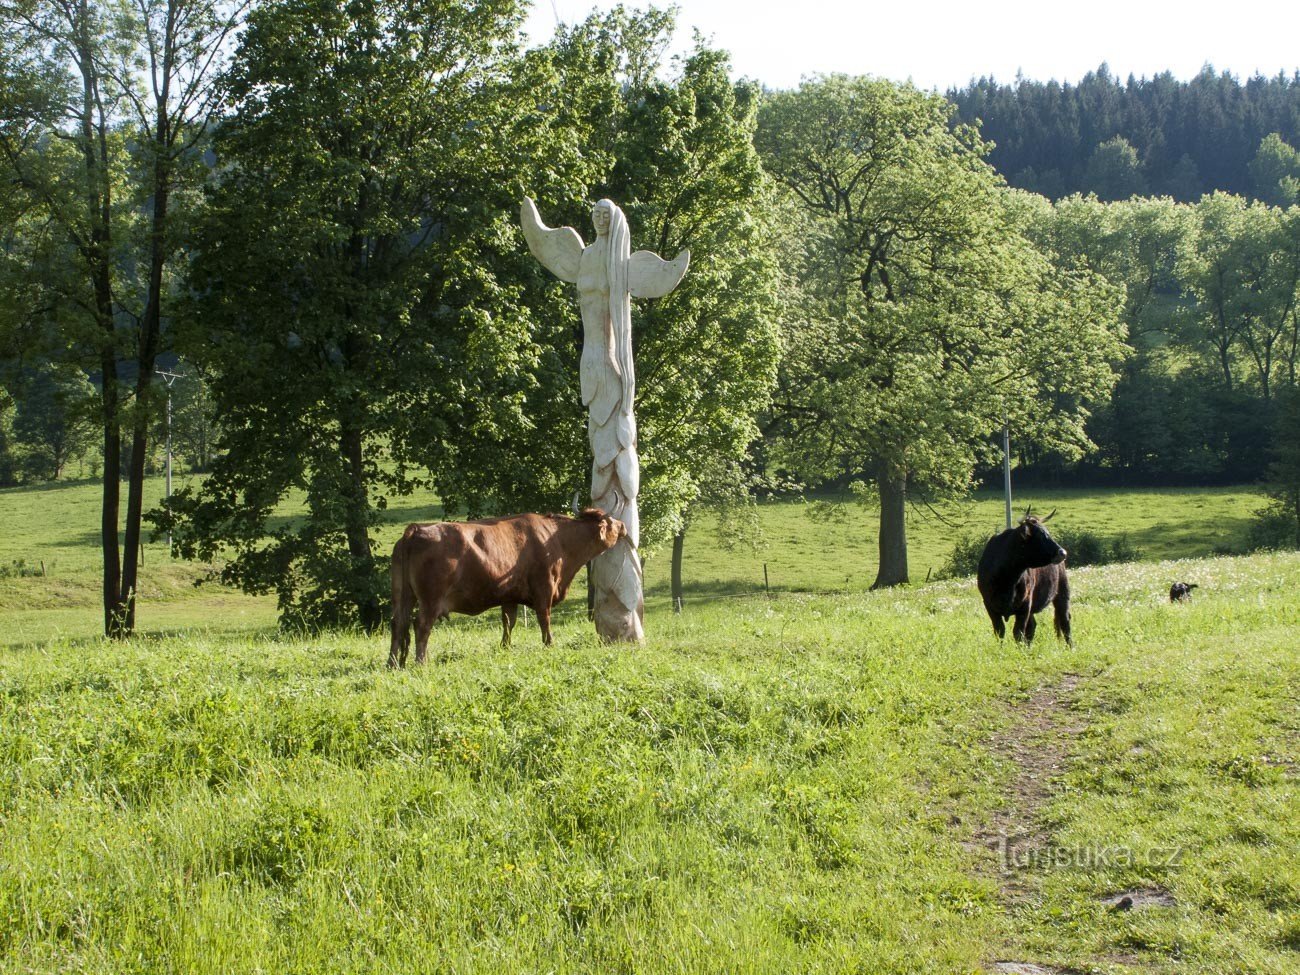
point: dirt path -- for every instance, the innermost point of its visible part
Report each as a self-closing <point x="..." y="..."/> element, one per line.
<point x="1038" y="746"/>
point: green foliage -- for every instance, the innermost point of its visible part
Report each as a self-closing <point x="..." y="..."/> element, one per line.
<point x="1278" y="525"/>
<point x="54" y="421"/>
<point x="357" y="272"/>
<point x="965" y="558"/>
<point x="1114" y="171"/>
<point x="1090" y="548"/>
<point x="1086" y="547"/>
<point x="931" y="319"/>
<point x="1275" y="171"/>
<point x="680" y="161"/>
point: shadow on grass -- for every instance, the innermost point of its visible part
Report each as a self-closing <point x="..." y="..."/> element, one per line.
<point x="1193" y="539"/>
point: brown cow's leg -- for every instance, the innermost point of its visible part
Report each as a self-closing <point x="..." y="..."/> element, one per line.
<point x="508" y="615"/>
<point x="403" y="604"/>
<point x="544" y="622"/>
<point x="1031" y="625"/>
<point x="424" y="621"/>
<point x="401" y="638"/>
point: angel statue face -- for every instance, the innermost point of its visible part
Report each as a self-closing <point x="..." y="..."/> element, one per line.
<point x="600" y="217"/>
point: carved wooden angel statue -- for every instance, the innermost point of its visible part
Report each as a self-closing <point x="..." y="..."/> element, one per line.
<point x="608" y="275"/>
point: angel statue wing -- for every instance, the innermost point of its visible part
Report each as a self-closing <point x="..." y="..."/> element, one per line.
<point x="650" y="276"/>
<point x="559" y="250"/>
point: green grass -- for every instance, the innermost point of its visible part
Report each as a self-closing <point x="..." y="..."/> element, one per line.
<point x="796" y="785"/>
<point x="808" y="783"/>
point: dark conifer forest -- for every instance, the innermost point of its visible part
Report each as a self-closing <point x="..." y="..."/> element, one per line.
<point x="1117" y="137"/>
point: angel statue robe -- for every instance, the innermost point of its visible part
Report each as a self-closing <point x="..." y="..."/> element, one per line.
<point x="608" y="276"/>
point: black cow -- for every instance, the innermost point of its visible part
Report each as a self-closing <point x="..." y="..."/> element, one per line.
<point x="1020" y="572"/>
<point x="1181" y="591"/>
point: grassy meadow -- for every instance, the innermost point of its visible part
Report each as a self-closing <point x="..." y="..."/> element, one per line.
<point x="820" y="782"/>
<point x="825" y="545"/>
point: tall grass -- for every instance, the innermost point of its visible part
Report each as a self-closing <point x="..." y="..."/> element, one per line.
<point x="766" y="786"/>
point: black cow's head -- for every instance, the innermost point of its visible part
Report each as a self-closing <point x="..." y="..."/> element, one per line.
<point x="1036" y="545"/>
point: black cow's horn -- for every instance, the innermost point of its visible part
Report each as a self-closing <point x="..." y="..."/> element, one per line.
<point x="1048" y="518"/>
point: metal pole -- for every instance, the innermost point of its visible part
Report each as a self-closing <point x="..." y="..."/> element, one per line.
<point x="1006" y="468"/>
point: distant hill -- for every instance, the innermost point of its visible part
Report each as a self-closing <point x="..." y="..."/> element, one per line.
<point x="1150" y="135"/>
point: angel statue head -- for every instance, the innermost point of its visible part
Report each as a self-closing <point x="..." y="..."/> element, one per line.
<point x="602" y="214"/>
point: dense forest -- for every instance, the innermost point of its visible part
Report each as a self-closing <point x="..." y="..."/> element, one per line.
<point x="317" y="227"/>
<point x="1154" y="135"/>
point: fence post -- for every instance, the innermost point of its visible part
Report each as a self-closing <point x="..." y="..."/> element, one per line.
<point x="766" y="588"/>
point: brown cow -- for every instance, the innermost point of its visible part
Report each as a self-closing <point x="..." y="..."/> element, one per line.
<point x="471" y="566"/>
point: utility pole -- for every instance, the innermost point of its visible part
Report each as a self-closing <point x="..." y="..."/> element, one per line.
<point x="169" y="378"/>
<point x="1006" y="468"/>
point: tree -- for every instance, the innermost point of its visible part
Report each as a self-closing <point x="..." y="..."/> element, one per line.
<point x="361" y="298"/>
<point x="1275" y="172"/>
<point x="59" y="149"/>
<point x="707" y="354"/>
<point x="1242" y="268"/>
<point x="931" y="319"/>
<point x="1114" y="171"/>
<point x="54" y="420"/>
<point x="1280" y="520"/>
<point x="675" y="151"/>
<point x="102" y="107"/>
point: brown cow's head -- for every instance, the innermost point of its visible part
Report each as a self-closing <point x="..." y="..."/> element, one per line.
<point x="1036" y="544"/>
<point x="608" y="528"/>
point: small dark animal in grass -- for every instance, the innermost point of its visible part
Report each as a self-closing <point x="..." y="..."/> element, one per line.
<point x="1180" y="591"/>
<point x="1021" y="571"/>
<point x="472" y="566"/>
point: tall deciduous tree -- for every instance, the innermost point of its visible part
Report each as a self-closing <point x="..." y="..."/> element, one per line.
<point x="931" y="319"/>
<point x="361" y="298"/>
<point x="673" y="145"/>
<point x="1241" y="265"/>
<point x="101" y="108"/>
<point x="57" y="112"/>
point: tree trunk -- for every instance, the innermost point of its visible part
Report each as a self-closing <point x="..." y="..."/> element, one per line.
<point x="150" y="336"/>
<point x="893" y="532"/>
<point x="356" y="507"/>
<point x="97" y="253"/>
<point x="110" y="504"/>
<point x="679" y="542"/>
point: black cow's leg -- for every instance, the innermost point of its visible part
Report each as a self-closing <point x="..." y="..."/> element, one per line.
<point x="1018" y="628"/>
<point x="1031" y="625"/>
<point x="508" y="615"/>
<point x="999" y="627"/>
<point x="1061" y="609"/>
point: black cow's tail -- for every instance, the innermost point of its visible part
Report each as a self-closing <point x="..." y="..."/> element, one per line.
<point x="403" y="601"/>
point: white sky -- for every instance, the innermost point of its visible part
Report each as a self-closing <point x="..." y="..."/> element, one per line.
<point x="945" y="43"/>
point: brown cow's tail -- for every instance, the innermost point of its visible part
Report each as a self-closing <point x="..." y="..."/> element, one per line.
<point x="403" y="600"/>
